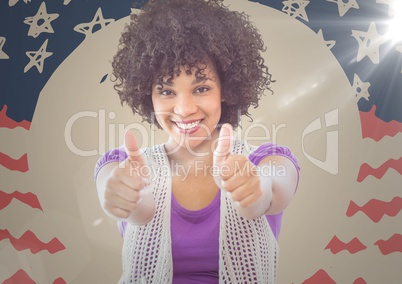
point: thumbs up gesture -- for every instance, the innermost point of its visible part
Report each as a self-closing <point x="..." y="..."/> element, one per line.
<point x="239" y="178"/>
<point x="127" y="194"/>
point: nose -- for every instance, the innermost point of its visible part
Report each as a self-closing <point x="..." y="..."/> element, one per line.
<point x="185" y="106"/>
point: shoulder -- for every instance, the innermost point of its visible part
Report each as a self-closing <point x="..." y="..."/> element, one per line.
<point x="113" y="155"/>
<point x="257" y="153"/>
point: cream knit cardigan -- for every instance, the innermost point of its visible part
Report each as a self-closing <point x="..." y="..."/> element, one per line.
<point x="248" y="250"/>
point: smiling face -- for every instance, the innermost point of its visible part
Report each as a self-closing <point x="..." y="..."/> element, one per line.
<point x="188" y="108"/>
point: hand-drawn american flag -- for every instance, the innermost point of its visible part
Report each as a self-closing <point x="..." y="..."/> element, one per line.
<point x="36" y="36"/>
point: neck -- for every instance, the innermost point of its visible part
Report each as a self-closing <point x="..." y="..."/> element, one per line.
<point x="184" y="155"/>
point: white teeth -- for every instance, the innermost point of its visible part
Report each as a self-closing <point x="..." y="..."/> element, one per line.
<point x="187" y="126"/>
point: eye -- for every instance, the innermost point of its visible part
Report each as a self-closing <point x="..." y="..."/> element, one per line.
<point x="202" y="89"/>
<point x="166" y="92"/>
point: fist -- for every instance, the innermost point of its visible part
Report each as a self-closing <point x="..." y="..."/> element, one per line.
<point x="235" y="174"/>
<point x="125" y="187"/>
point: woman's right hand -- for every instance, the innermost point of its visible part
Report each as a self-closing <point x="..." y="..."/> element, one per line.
<point x="123" y="188"/>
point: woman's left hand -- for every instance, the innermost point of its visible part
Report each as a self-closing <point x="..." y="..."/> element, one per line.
<point x="235" y="174"/>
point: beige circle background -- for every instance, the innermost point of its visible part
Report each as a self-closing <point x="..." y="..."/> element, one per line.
<point x="310" y="83"/>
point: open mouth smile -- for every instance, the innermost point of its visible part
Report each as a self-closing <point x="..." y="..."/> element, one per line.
<point x="188" y="126"/>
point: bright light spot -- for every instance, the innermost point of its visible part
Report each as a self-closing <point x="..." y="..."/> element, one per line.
<point x="395" y="24"/>
<point x="97" y="222"/>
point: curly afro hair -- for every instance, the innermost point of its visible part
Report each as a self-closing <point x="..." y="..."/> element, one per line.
<point x="168" y="35"/>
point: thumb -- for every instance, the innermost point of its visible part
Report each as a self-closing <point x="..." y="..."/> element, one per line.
<point x="225" y="140"/>
<point x="131" y="147"/>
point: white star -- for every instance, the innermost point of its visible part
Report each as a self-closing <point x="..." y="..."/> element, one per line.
<point x="3" y="55"/>
<point x="88" y="28"/>
<point x="345" y="5"/>
<point x="66" y="2"/>
<point x="296" y="8"/>
<point x="361" y="88"/>
<point x="329" y="43"/>
<point x="369" y="43"/>
<point x="37" y="58"/>
<point x="40" y="23"/>
<point x="13" y="2"/>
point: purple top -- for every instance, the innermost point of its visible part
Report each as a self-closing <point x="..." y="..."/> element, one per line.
<point x="195" y="234"/>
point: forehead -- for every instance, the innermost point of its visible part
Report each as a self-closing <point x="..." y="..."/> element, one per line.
<point x="200" y="72"/>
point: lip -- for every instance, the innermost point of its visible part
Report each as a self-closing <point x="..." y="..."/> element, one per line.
<point x="188" y="131"/>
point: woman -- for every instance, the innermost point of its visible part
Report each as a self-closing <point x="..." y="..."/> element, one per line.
<point x="199" y="208"/>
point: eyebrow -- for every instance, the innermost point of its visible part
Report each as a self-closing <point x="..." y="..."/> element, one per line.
<point x="196" y="81"/>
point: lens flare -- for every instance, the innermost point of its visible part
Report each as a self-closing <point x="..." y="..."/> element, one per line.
<point x="394" y="27"/>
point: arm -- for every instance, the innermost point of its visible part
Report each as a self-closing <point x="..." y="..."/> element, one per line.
<point x="255" y="190"/>
<point x="279" y="176"/>
<point x="268" y="188"/>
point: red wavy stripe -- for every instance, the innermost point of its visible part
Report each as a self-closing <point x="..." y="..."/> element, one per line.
<point x="393" y="244"/>
<point x="19" y="277"/>
<point x="29" y="241"/>
<point x="360" y="280"/>
<point x="375" y="128"/>
<point x="28" y="198"/>
<point x="376" y="209"/>
<point x="319" y="277"/>
<point x="336" y="245"/>
<point x="366" y="169"/>
<point x="14" y="165"/>
<point x="7" y="122"/>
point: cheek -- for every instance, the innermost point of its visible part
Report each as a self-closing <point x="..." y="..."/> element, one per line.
<point x="158" y="111"/>
<point x="213" y="103"/>
<point x="159" y="106"/>
<point x="161" y="119"/>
